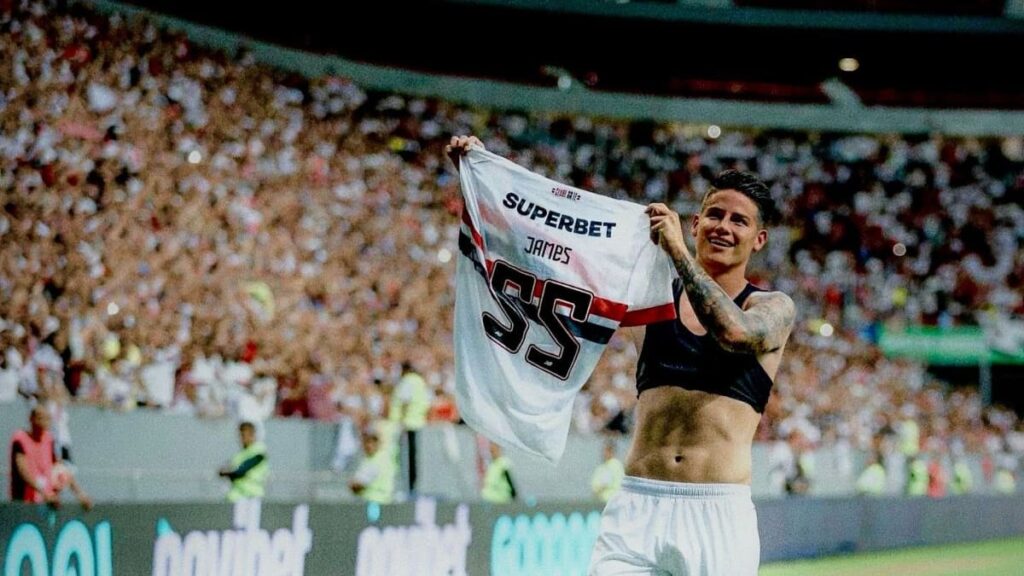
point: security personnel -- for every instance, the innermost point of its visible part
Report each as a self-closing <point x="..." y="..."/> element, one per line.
<point x="871" y="481"/>
<point x="410" y="401"/>
<point x="374" y="478"/>
<point x="963" y="479"/>
<point x="608" y="475"/>
<point x="248" y="469"/>
<point x="1005" y="482"/>
<point x="498" y="487"/>
<point x="410" y="404"/>
<point x="917" y="479"/>
<point x="910" y="436"/>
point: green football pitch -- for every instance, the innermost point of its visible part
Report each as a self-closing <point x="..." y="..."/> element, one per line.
<point x="992" y="558"/>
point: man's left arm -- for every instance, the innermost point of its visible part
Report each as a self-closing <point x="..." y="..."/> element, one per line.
<point x="761" y="327"/>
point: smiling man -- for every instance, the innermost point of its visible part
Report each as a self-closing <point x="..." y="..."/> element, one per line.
<point x="703" y="381"/>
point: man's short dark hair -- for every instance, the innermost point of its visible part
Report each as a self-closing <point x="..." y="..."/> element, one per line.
<point x="750" y="186"/>
<point x="244" y="425"/>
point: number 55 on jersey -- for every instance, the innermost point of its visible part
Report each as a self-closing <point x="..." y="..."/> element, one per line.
<point x="546" y="274"/>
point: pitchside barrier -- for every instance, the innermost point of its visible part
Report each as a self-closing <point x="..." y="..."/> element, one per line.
<point x="148" y="456"/>
<point x="426" y="538"/>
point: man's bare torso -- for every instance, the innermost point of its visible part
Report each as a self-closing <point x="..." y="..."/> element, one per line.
<point x="693" y="436"/>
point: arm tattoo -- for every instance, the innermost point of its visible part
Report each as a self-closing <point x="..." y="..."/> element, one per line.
<point x="762" y="328"/>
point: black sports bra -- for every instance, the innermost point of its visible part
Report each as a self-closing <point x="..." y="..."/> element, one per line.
<point x="674" y="356"/>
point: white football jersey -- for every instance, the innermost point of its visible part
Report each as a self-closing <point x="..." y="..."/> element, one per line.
<point x="547" y="273"/>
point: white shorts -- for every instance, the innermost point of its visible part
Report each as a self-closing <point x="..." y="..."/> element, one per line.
<point x="672" y="528"/>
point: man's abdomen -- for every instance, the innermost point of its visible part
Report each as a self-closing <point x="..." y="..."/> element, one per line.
<point x="691" y="436"/>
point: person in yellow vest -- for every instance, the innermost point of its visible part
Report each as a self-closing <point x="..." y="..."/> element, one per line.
<point x="248" y="469"/>
<point x="871" y="481"/>
<point x="963" y="479"/>
<point x="498" y="486"/>
<point x="608" y="475"/>
<point x="910" y="436"/>
<point x="410" y="404"/>
<point x="917" y="478"/>
<point x="374" y="478"/>
<point x="410" y="401"/>
<point x="1005" y="483"/>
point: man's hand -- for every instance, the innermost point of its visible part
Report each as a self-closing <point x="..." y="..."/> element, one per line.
<point x="459" y="146"/>
<point x="52" y="499"/>
<point x="667" y="230"/>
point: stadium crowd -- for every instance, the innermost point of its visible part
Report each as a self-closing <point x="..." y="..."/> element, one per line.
<point x="191" y="230"/>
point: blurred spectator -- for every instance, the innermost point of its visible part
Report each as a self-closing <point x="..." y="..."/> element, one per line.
<point x="498" y="487"/>
<point x="37" y="476"/>
<point x="374" y="479"/>
<point x="9" y="376"/>
<point x="871" y="481"/>
<point x="1005" y="481"/>
<point x="249" y="468"/>
<point x="917" y="477"/>
<point x="410" y="405"/>
<point x="443" y="408"/>
<point x="963" y="478"/>
<point x="346" y="445"/>
<point x="801" y="472"/>
<point x="909" y="432"/>
<point x="607" y="477"/>
<point x="937" y="478"/>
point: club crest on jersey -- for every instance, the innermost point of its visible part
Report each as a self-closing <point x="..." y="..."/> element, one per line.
<point x="566" y="193"/>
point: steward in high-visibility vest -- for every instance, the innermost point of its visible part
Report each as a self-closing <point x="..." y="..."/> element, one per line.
<point x="963" y="479"/>
<point x="498" y="487"/>
<point x="409" y="406"/>
<point x="410" y="400"/>
<point x="910" y="438"/>
<point x="248" y="469"/>
<point x="1005" y="482"/>
<point x="871" y="481"/>
<point x="917" y="478"/>
<point x="374" y="479"/>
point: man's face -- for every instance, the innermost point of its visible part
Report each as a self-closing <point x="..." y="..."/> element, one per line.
<point x="248" y="436"/>
<point x="727" y="230"/>
<point x="40" y="420"/>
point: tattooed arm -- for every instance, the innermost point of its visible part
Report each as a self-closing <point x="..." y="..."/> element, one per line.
<point x="761" y="326"/>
